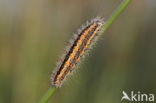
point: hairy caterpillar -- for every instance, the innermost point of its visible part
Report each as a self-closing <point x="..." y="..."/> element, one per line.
<point x="76" y="50"/>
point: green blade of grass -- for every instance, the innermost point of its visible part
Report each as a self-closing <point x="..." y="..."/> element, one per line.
<point x="48" y="94"/>
<point x="108" y="23"/>
<point x="115" y="14"/>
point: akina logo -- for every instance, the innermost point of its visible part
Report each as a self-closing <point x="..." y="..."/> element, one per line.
<point x="138" y="96"/>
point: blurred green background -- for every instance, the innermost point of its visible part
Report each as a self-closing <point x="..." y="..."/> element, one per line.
<point x="34" y="33"/>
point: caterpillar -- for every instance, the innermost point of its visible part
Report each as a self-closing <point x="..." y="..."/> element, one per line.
<point x="77" y="48"/>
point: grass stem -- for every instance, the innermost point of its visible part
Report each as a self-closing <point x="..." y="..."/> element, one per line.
<point x="48" y="94"/>
<point x="108" y="23"/>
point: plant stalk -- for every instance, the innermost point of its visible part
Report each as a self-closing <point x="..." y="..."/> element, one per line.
<point x="108" y="23"/>
<point x="48" y="94"/>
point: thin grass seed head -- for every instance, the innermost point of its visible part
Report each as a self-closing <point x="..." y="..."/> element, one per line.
<point x="78" y="47"/>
